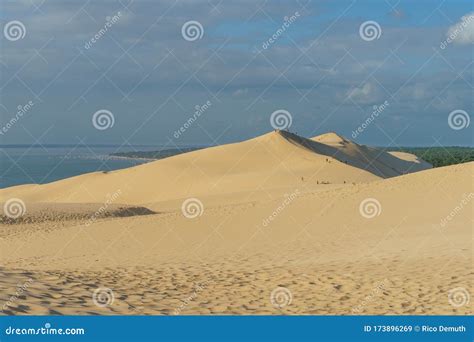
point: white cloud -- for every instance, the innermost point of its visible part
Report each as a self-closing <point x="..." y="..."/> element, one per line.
<point x="240" y="92"/>
<point x="463" y="31"/>
<point x="368" y="93"/>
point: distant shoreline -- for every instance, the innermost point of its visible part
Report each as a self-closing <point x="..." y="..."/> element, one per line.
<point x="153" y="155"/>
<point x="111" y="156"/>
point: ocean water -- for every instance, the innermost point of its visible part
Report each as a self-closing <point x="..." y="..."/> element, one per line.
<point x="44" y="164"/>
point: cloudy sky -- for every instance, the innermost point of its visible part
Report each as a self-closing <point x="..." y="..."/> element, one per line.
<point x="327" y="63"/>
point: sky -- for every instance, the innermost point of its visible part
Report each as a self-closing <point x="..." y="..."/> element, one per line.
<point x="191" y="72"/>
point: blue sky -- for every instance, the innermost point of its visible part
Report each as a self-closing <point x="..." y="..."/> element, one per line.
<point x="320" y="70"/>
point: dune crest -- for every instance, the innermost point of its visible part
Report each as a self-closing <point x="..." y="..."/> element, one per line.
<point x="380" y="162"/>
<point x="331" y="138"/>
<point x="274" y="160"/>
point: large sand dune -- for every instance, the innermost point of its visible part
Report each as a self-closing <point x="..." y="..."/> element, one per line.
<point x="274" y="160"/>
<point x="267" y="224"/>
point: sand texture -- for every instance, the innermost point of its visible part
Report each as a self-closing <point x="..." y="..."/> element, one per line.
<point x="278" y="224"/>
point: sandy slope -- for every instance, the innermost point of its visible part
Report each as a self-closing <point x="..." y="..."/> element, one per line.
<point x="274" y="160"/>
<point x="280" y="214"/>
<point x="379" y="162"/>
<point x="262" y="228"/>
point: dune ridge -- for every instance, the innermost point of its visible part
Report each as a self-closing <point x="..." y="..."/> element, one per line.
<point x="382" y="163"/>
<point x="270" y="161"/>
<point x="267" y="220"/>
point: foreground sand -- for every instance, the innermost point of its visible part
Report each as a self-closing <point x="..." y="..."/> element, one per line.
<point x="296" y="247"/>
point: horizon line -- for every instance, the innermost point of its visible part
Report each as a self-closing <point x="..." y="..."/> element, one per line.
<point x="57" y="145"/>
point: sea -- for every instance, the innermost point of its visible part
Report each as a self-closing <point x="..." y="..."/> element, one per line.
<point x="39" y="164"/>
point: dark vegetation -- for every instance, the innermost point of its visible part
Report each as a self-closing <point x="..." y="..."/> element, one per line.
<point x="440" y="156"/>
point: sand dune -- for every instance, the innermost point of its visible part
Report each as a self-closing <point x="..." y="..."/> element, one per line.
<point x="268" y="223"/>
<point x="398" y="197"/>
<point x="274" y="160"/>
<point x="60" y="212"/>
<point x="382" y="163"/>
